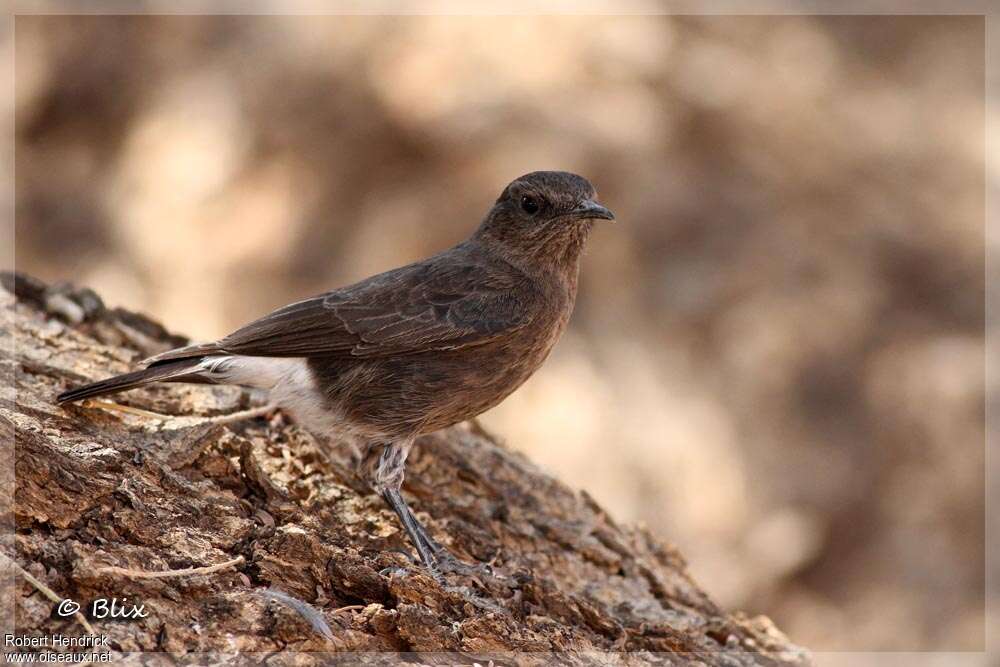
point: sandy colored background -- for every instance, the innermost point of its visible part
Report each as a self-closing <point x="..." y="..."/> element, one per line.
<point x="777" y="355"/>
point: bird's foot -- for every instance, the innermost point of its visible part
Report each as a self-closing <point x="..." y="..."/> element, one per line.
<point x="471" y="587"/>
<point x="447" y="563"/>
<point x="478" y="584"/>
<point x="446" y="569"/>
<point x="438" y="561"/>
<point x="414" y="567"/>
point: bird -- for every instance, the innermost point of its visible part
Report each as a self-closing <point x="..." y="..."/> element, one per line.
<point x="415" y="349"/>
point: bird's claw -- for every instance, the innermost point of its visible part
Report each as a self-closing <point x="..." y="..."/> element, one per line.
<point x="447" y="563"/>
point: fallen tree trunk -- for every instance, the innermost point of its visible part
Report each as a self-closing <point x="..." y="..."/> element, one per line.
<point x="308" y="560"/>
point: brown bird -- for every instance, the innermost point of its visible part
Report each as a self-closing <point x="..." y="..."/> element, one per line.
<point x="415" y="349"/>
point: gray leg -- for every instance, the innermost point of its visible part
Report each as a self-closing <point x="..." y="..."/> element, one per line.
<point x="436" y="548"/>
<point x="383" y="467"/>
<point x="413" y="528"/>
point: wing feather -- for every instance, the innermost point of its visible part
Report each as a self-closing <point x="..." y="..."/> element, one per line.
<point x="433" y="305"/>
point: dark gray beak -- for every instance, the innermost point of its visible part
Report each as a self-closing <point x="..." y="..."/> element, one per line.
<point x="588" y="209"/>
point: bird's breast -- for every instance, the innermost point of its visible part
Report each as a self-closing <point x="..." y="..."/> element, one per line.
<point x="418" y="393"/>
<point x="482" y="376"/>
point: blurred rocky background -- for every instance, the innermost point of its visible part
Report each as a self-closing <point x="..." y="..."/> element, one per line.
<point x="777" y="359"/>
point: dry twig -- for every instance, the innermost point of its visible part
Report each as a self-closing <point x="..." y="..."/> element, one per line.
<point x="165" y="574"/>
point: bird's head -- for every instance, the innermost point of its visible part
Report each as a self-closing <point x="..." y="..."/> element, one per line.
<point x="545" y="215"/>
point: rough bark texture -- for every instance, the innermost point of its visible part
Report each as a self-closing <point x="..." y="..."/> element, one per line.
<point x="98" y="488"/>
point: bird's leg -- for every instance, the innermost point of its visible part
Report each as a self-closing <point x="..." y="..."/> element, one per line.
<point x="383" y="466"/>
<point x="413" y="528"/>
<point x="436" y="547"/>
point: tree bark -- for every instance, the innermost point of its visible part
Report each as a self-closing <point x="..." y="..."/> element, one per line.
<point x="324" y="564"/>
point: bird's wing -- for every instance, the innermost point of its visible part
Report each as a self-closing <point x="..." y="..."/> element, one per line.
<point x="418" y="308"/>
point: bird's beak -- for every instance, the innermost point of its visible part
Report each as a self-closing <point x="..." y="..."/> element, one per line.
<point x="588" y="209"/>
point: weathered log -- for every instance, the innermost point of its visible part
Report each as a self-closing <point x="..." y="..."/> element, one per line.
<point x="325" y="566"/>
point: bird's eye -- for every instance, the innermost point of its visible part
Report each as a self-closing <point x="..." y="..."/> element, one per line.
<point x="529" y="205"/>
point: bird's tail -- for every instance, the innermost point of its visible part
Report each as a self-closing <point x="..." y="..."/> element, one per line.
<point x="182" y="370"/>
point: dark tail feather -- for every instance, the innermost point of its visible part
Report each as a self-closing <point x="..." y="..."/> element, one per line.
<point x="166" y="371"/>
